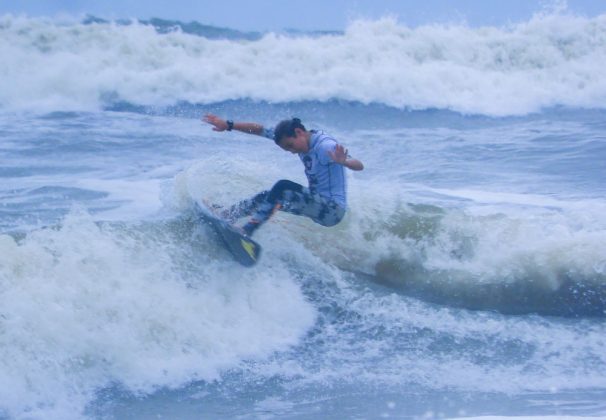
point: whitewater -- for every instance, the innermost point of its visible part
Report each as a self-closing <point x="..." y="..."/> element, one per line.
<point x="467" y="279"/>
<point x="548" y="61"/>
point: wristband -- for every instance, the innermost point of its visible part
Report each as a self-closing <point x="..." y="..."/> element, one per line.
<point x="230" y="125"/>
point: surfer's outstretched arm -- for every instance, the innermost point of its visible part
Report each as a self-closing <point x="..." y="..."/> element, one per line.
<point x="219" y="124"/>
<point x="341" y="157"/>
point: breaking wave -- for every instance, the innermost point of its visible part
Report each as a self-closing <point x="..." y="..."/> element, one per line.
<point x="551" y="60"/>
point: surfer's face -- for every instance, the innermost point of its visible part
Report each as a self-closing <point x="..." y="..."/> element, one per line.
<point x="299" y="143"/>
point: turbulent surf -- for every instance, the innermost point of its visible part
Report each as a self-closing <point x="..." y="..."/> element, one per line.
<point x="468" y="277"/>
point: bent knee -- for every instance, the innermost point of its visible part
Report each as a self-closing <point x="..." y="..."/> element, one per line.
<point x="330" y="217"/>
<point x="280" y="187"/>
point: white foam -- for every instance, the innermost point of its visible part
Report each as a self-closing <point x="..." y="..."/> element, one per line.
<point x="514" y="240"/>
<point x="548" y="61"/>
<point x="138" y="198"/>
<point x="85" y="306"/>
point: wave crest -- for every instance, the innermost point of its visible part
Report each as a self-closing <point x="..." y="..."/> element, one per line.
<point x="551" y="60"/>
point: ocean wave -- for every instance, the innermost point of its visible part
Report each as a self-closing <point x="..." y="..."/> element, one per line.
<point x="164" y="26"/>
<point x="550" y="60"/>
<point x="545" y="263"/>
<point x="540" y="255"/>
<point x="87" y="305"/>
<point x="160" y="304"/>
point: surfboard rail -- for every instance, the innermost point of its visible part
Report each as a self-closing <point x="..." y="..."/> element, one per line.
<point x="243" y="249"/>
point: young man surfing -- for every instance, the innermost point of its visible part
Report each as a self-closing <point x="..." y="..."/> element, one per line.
<point x="324" y="200"/>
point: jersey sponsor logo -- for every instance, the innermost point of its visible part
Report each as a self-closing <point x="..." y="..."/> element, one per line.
<point x="307" y="161"/>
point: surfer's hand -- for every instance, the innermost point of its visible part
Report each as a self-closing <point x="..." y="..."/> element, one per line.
<point x="218" y="123"/>
<point x="339" y="155"/>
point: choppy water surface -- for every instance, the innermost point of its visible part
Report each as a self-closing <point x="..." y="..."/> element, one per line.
<point x="469" y="277"/>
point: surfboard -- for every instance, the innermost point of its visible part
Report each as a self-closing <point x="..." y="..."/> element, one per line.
<point x="244" y="250"/>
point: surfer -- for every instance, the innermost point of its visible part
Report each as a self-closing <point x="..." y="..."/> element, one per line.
<point x="324" y="200"/>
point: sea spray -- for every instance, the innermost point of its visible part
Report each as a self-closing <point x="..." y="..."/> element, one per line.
<point x="551" y="60"/>
<point x="86" y="305"/>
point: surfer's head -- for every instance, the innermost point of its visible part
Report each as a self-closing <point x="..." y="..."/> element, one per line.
<point x="292" y="136"/>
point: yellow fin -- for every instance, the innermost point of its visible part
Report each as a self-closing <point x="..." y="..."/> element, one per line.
<point x="249" y="247"/>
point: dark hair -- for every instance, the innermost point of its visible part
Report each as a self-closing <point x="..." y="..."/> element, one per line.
<point x="286" y="128"/>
